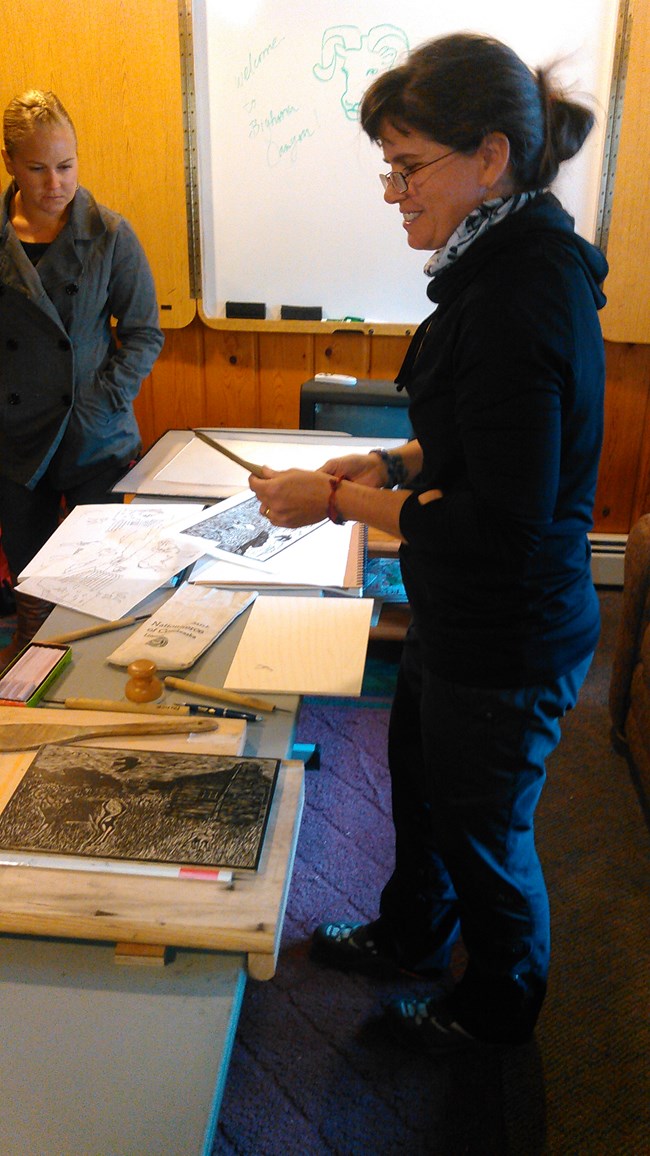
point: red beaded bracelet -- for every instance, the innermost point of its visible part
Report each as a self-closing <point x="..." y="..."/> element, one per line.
<point x="332" y="512"/>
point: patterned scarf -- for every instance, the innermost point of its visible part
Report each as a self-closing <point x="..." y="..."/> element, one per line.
<point x="487" y="214"/>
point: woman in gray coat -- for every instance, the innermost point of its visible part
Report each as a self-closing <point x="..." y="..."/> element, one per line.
<point x="68" y="266"/>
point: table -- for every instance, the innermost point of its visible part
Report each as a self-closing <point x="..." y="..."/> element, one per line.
<point x="101" y="1060"/>
<point x="107" y="1060"/>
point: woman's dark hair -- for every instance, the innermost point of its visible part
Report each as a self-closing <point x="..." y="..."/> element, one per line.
<point x="458" y="88"/>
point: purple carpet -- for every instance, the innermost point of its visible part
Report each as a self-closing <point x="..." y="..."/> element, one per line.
<point x="308" y="1076"/>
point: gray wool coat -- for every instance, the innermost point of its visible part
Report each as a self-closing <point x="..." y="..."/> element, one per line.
<point x="66" y="385"/>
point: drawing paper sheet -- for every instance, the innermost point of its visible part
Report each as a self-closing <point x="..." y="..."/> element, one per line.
<point x="105" y="559"/>
<point x="172" y="469"/>
<point x="295" y="645"/>
<point x="196" y="463"/>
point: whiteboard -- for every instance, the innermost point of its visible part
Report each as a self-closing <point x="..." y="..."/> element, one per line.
<point x="291" y="210"/>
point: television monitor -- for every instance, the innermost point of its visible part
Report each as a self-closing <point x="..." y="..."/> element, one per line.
<point x="365" y="409"/>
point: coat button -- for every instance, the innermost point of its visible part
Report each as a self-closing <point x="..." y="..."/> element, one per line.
<point x="13" y="399"/>
<point x="12" y="343"/>
<point x="72" y="288"/>
<point x="63" y="344"/>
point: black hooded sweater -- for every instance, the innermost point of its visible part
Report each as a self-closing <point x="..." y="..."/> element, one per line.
<point x="506" y="384"/>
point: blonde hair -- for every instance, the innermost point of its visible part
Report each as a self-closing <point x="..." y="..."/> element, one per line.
<point x="31" y="110"/>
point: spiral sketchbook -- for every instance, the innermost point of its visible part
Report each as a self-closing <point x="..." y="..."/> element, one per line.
<point x="329" y="558"/>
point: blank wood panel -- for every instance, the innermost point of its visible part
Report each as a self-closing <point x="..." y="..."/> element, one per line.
<point x="315" y="644"/>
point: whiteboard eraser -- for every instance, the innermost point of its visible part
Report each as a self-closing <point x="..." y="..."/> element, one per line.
<point x="246" y="309"/>
<point x="301" y="312"/>
<point x="335" y="378"/>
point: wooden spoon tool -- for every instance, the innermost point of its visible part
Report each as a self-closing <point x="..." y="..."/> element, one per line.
<point x="29" y="736"/>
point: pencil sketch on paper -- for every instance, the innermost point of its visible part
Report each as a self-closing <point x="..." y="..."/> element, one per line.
<point x="132" y="539"/>
<point x="147" y="806"/>
<point x="105" y="559"/>
<point x="240" y="529"/>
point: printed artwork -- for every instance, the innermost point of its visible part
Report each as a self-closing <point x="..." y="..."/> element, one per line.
<point x="238" y="528"/>
<point x="383" y="579"/>
<point x="151" y="806"/>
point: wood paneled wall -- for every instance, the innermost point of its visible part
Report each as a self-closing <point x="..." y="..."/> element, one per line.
<point x="245" y="377"/>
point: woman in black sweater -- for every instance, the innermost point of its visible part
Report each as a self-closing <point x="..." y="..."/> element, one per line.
<point x="492" y="502"/>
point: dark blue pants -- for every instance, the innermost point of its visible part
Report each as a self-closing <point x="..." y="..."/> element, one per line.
<point x="467" y="768"/>
<point x="29" y="517"/>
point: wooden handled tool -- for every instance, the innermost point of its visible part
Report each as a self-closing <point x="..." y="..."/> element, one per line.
<point x="250" y="467"/>
<point x="29" y="736"/>
<point x="175" y="708"/>
<point x="91" y="631"/>
<point x="218" y="693"/>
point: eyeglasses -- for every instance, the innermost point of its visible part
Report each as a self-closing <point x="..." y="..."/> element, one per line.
<point x="399" y="182"/>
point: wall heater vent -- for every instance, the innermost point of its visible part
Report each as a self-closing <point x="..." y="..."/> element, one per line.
<point x="607" y="558"/>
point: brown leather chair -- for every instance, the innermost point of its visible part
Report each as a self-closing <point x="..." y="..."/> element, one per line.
<point x="629" y="694"/>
